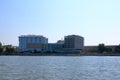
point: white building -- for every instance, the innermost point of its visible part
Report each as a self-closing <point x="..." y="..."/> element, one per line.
<point x="74" y="42"/>
<point x="32" y="42"/>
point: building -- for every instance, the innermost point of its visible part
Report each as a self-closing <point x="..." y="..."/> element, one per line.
<point x="60" y="41"/>
<point x="91" y="49"/>
<point x="73" y="42"/>
<point x="53" y="47"/>
<point x="32" y="42"/>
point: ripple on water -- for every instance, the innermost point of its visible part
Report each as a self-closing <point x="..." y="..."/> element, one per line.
<point x="59" y="68"/>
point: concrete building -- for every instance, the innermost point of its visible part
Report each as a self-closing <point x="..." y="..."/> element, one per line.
<point x="74" y="42"/>
<point x="32" y="42"/>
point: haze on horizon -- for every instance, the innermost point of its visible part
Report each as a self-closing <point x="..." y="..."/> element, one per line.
<point x="98" y="21"/>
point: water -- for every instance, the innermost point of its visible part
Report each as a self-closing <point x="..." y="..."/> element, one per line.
<point x="59" y="68"/>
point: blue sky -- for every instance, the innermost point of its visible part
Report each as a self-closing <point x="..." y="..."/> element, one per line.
<point x="98" y="21"/>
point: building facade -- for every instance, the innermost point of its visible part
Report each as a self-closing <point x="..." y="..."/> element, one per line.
<point x="32" y="42"/>
<point x="74" y="42"/>
<point x="53" y="47"/>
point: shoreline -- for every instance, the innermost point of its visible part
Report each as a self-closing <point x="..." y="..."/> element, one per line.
<point x="60" y="54"/>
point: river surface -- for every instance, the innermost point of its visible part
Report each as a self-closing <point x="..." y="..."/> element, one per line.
<point x="59" y="68"/>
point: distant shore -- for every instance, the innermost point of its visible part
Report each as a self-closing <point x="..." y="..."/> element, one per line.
<point x="60" y="54"/>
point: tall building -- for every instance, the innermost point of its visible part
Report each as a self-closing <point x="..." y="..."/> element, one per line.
<point x="32" y="42"/>
<point x="74" y="42"/>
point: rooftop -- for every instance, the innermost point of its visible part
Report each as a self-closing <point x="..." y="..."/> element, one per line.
<point x="31" y="36"/>
<point x="73" y="36"/>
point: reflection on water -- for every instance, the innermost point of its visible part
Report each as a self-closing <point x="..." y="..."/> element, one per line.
<point x="59" y="68"/>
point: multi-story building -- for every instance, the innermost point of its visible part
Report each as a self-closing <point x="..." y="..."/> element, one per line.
<point x="74" y="42"/>
<point x="32" y="42"/>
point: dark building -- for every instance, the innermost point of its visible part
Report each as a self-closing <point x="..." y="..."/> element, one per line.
<point x="74" y="42"/>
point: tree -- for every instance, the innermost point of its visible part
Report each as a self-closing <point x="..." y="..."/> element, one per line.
<point x="108" y="49"/>
<point x="0" y="44"/>
<point x="1" y="48"/>
<point x="117" y="49"/>
<point x="10" y="50"/>
<point x="101" y="48"/>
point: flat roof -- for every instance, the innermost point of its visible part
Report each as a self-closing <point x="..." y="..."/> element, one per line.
<point x="74" y="36"/>
<point x="31" y="36"/>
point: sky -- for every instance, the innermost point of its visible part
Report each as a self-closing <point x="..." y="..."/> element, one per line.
<point x="98" y="21"/>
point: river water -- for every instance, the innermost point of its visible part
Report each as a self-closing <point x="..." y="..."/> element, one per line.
<point x="59" y="68"/>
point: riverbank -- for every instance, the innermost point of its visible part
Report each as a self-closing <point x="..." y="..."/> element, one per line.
<point x="60" y="54"/>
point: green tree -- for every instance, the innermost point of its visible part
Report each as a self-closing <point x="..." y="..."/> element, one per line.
<point x="101" y="48"/>
<point x="10" y="50"/>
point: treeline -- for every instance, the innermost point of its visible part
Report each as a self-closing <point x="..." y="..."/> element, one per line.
<point x="8" y="49"/>
<point x="102" y="48"/>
